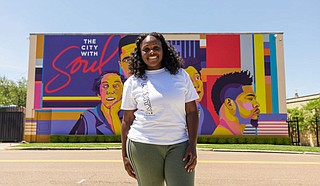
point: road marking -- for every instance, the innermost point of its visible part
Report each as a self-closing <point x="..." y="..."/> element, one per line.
<point x="120" y="161"/>
<point x="60" y="161"/>
<point x="260" y="162"/>
<point x="81" y="181"/>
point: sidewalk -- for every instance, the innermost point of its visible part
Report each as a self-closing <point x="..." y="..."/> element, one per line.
<point x="10" y="146"/>
<point x="6" y="145"/>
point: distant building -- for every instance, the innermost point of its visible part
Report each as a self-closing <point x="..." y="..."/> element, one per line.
<point x="300" y="101"/>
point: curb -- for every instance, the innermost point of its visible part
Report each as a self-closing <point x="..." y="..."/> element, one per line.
<point x="258" y="151"/>
<point x="50" y="148"/>
<point x="200" y="149"/>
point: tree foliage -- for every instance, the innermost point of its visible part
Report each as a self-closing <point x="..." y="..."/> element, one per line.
<point x="13" y="92"/>
<point x="306" y="114"/>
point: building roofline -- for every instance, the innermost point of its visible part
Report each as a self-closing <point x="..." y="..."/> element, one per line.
<point x="136" y="33"/>
<point x="304" y="96"/>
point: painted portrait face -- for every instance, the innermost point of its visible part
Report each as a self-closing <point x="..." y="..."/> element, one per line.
<point x="110" y="89"/>
<point x="125" y="58"/>
<point x="151" y="52"/>
<point x="247" y="104"/>
<point x="196" y="80"/>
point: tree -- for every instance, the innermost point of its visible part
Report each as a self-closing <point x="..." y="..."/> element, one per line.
<point x="13" y="93"/>
<point x="306" y="114"/>
<point x="313" y="107"/>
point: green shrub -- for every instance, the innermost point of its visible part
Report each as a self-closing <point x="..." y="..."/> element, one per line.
<point x="202" y="139"/>
<point x="287" y="141"/>
<point x="251" y="140"/>
<point x="279" y="141"/>
<point x="271" y="141"/>
<point x="54" y="139"/>
<point x="232" y="140"/>
<point x="212" y="140"/>
<point x="91" y="139"/>
<point x="63" y="139"/>
<point x="222" y="141"/>
<point x="82" y="139"/>
<point x="242" y="140"/>
<point x="113" y="139"/>
<point x="261" y="141"/>
<point x="100" y="138"/>
<point x="73" y="139"/>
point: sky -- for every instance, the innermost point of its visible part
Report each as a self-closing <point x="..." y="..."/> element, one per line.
<point x="298" y="20"/>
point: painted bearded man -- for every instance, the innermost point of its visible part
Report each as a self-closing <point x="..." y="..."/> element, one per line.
<point x="235" y="102"/>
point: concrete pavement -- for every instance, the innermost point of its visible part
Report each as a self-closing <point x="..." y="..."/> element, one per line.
<point x="105" y="167"/>
<point x="7" y="145"/>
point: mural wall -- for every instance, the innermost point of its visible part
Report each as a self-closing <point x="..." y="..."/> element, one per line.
<point x="75" y="83"/>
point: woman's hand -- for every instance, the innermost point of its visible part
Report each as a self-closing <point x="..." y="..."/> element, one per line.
<point x="128" y="167"/>
<point x="191" y="157"/>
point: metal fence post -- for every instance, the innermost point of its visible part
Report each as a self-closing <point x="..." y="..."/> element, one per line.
<point x="298" y="131"/>
<point x="317" y="131"/>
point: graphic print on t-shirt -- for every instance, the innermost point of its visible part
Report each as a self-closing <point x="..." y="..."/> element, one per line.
<point x="146" y="99"/>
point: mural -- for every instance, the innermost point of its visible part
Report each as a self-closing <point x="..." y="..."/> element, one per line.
<point x="75" y="83"/>
<point x="105" y="118"/>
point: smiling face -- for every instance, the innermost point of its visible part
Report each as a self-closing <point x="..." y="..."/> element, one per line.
<point x="151" y="52"/>
<point x="110" y="89"/>
<point x="247" y="104"/>
<point x="196" y="80"/>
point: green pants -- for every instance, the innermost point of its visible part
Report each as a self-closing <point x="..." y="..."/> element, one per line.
<point x="156" y="164"/>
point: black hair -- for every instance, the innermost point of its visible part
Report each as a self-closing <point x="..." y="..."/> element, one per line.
<point x="97" y="81"/>
<point x="126" y="40"/>
<point x="192" y="61"/>
<point x="171" y="60"/>
<point x="234" y="80"/>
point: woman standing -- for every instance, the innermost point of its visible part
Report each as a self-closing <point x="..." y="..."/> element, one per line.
<point x="160" y="122"/>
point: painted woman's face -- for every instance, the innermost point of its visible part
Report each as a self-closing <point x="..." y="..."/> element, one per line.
<point x="110" y="89"/>
<point x="196" y="80"/>
<point x="151" y="52"/>
<point x="247" y="104"/>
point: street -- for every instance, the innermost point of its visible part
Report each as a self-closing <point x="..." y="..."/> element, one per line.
<point x="104" y="167"/>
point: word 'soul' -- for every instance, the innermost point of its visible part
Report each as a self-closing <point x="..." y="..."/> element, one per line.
<point x="76" y="65"/>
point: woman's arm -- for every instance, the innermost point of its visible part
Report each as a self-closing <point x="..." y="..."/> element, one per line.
<point x="127" y="120"/>
<point x="192" y="126"/>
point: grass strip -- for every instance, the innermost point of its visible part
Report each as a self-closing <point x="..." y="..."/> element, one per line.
<point x="207" y="146"/>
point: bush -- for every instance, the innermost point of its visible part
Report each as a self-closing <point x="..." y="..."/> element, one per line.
<point x="212" y="140"/>
<point x="73" y="139"/>
<point x="232" y="140"/>
<point x="82" y="139"/>
<point x="91" y="139"/>
<point x="251" y="140"/>
<point x="63" y="139"/>
<point x="242" y="140"/>
<point x="202" y="139"/>
<point x="261" y="141"/>
<point x="100" y="138"/>
<point x="114" y="139"/>
<point x="222" y="141"/>
<point x="54" y="139"/>
<point x="280" y="140"/>
<point x="286" y="141"/>
<point x="271" y="141"/>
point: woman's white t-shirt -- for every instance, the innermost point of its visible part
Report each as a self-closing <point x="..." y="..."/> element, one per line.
<point x="159" y="101"/>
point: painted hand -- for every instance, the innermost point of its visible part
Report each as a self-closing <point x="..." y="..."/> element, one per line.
<point x="115" y="108"/>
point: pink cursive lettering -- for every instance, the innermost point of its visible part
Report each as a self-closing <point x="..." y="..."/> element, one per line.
<point x="77" y="64"/>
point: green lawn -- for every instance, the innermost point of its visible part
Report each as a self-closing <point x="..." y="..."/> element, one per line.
<point x="207" y="146"/>
<point x="260" y="147"/>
